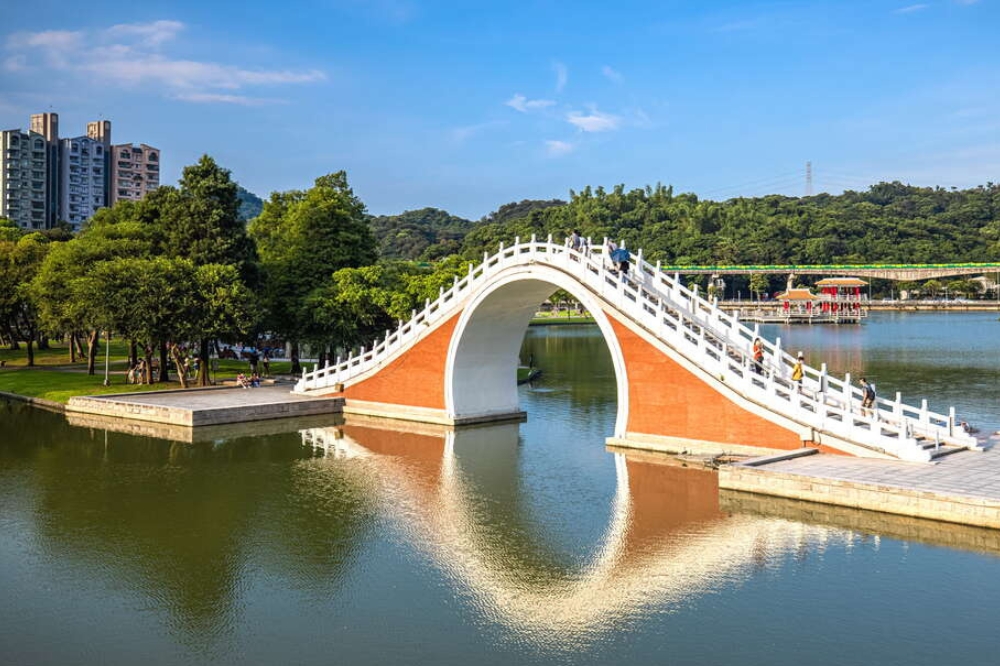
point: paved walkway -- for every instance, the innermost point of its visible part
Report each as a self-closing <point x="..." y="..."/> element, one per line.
<point x="969" y="473"/>
<point x="204" y="407"/>
<point x="215" y="398"/>
<point x="963" y="487"/>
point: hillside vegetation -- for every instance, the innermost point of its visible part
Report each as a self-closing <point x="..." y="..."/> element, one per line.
<point x="888" y="223"/>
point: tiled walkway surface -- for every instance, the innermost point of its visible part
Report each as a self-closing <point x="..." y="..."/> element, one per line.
<point x="966" y="473"/>
<point x="214" y="398"/>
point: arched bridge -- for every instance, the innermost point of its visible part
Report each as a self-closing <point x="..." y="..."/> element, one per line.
<point x="685" y="377"/>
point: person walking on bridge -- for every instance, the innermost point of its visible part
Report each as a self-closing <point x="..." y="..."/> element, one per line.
<point x="758" y="356"/>
<point x="797" y="371"/>
<point x="867" y="395"/>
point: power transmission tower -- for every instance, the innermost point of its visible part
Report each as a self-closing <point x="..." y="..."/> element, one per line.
<point x="809" y="179"/>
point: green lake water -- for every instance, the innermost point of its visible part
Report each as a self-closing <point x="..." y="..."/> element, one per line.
<point x="520" y="543"/>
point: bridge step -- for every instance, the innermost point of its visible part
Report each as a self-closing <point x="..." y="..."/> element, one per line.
<point x="940" y="450"/>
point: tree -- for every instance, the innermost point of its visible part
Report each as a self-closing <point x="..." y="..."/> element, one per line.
<point x="303" y="238"/>
<point x="128" y="229"/>
<point x="357" y="305"/>
<point x="19" y="260"/>
<point x="201" y="223"/>
<point x="759" y="284"/>
<point x="932" y="287"/>
<point x="201" y="219"/>
<point x="162" y="301"/>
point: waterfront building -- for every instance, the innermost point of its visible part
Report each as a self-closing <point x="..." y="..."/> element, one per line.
<point x="47" y="124"/>
<point x="24" y="192"/>
<point x="82" y="178"/>
<point x="798" y="301"/>
<point x="839" y="301"/>
<point x="843" y="297"/>
<point x="135" y="172"/>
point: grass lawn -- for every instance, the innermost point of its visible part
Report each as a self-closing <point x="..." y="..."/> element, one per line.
<point x="553" y="319"/>
<point x="71" y="379"/>
<point x="60" y="386"/>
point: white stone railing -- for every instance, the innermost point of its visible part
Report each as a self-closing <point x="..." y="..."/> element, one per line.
<point x="697" y="329"/>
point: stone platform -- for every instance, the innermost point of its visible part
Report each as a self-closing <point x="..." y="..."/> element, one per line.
<point x="960" y="488"/>
<point x="205" y="407"/>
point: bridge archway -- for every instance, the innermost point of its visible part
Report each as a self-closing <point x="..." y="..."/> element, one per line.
<point x="488" y="336"/>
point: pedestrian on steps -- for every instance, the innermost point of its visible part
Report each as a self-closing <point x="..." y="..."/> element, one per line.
<point x="798" y="372"/>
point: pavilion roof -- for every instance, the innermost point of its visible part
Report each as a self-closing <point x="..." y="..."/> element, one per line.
<point x="841" y="282"/>
<point x="797" y="295"/>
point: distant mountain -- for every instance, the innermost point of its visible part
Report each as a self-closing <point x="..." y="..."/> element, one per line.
<point x="432" y="233"/>
<point x="250" y="204"/>
<point x="426" y="234"/>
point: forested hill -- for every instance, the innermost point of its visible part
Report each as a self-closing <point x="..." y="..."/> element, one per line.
<point x="410" y="234"/>
<point x="250" y="204"/>
<point x="431" y="233"/>
<point x="890" y="223"/>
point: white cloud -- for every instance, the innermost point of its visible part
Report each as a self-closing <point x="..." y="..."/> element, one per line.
<point x="555" y="148"/>
<point x="220" y="98"/>
<point x="523" y="104"/>
<point x="562" y="75"/>
<point x="612" y="74"/>
<point x="15" y="63"/>
<point x="55" y="46"/>
<point x="59" y="40"/>
<point x="151" y="34"/>
<point x="131" y="55"/>
<point x="190" y="73"/>
<point x="910" y="9"/>
<point x="594" y="122"/>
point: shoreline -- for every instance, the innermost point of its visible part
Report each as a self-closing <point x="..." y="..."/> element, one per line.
<point x="916" y="306"/>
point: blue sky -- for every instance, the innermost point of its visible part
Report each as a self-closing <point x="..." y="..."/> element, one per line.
<point x="469" y="105"/>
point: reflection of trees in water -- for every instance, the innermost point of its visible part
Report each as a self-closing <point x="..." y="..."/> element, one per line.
<point x="574" y="356"/>
<point x="183" y="523"/>
<point x="193" y="527"/>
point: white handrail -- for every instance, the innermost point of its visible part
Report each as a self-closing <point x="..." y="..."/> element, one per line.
<point x="694" y="327"/>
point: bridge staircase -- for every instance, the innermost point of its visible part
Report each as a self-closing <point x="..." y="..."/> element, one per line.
<point x="824" y="409"/>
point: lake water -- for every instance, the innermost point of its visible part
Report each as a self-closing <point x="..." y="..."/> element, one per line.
<point x="521" y="543"/>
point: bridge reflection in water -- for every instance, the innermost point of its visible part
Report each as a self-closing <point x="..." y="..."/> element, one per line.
<point x="221" y="539"/>
<point x="666" y="540"/>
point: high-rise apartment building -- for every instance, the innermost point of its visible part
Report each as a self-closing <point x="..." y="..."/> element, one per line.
<point x="82" y="163"/>
<point x="135" y="171"/>
<point x="47" y="124"/>
<point x="24" y="164"/>
<point x="44" y="180"/>
<point x="100" y="130"/>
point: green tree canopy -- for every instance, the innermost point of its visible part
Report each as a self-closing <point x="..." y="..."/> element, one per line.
<point x="303" y="238"/>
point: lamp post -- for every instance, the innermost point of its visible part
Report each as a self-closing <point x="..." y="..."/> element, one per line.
<point x="107" y="357"/>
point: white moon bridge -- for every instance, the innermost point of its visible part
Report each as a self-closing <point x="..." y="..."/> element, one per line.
<point x="686" y="378"/>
